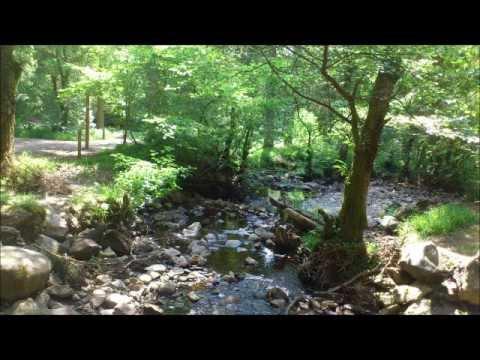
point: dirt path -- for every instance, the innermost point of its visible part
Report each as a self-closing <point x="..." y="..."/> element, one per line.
<point x="58" y="148"/>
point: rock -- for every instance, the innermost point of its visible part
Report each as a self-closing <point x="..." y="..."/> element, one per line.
<point x="119" y="284"/>
<point x="468" y="280"/>
<point x="98" y="297"/>
<point x="277" y="293"/>
<point x="211" y="238"/>
<point x="251" y="261"/>
<point x="63" y="310"/>
<point x="270" y="243"/>
<point x="230" y="277"/>
<point x="106" y="311"/>
<point x="233" y="243"/>
<point x="49" y="244"/>
<point x="279" y="303"/>
<point x="263" y="234"/>
<point x="43" y="299"/>
<point x="193" y="297"/>
<point x="27" y="307"/>
<point x="391" y="310"/>
<point x="112" y="300"/>
<point x="96" y="234"/>
<point x="398" y="276"/>
<point x="84" y="249"/>
<point x="119" y="243"/>
<point x="11" y="236"/>
<point x="405" y="294"/>
<point x="420" y="260"/>
<point x="198" y="260"/>
<point x="231" y="299"/>
<point x="171" y="252"/>
<point x="104" y="278"/>
<point x="151" y="309"/>
<point x="181" y="261"/>
<point x="193" y="230"/>
<point x="241" y="249"/>
<point x="389" y="224"/>
<point x="257" y="245"/>
<point x="60" y="291"/>
<point x="253" y="237"/>
<point x="30" y="223"/>
<point x="422" y="307"/>
<point x="387" y="299"/>
<point x="56" y="226"/>
<point x="108" y="253"/>
<point x="145" y="278"/>
<point x="197" y="249"/>
<point x="405" y="211"/>
<point x="163" y="288"/>
<point x="157" y="268"/>
<point x="23" y="272"/>
<point x="125" y="309"/>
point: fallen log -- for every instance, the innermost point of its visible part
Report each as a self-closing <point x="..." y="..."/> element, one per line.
<point x="301" y="221"/>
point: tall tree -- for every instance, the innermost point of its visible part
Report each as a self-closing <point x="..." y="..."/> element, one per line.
<point x="365" y="131"/>
<point x="10" y="71"/>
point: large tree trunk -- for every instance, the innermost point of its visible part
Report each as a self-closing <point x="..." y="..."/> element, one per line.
<point x="231" y="135"/>
<point x="353" y="215"/>
<point x="10" y="72"/>
<point x="100" y="117"/>
<point x="87" y="122"/>
<point x="268" y="118"/>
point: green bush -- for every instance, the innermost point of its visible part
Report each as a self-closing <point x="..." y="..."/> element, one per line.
<point x="311" y="240"/>
<point x="440" y="220"/>
<point x="27" y="202"/>
<point x="29" y="174"/>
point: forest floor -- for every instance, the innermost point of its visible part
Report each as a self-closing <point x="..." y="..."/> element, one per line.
<point x="63" y="149"/>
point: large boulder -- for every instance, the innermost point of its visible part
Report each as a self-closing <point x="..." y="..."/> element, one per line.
<point x="30" y="222"/>
<point x="84" y="249"/>
<point x="422" y="307"/>
<point x="23" y="272"/>
<point x="118" y="242"/>
<point x="11" y="236"/>
<point x="27" y="307"/>
<point x="468" y="280"/>
<point x="420" y="260"/>
<point x="48" y="244"/>
<point x="56" y="226"/>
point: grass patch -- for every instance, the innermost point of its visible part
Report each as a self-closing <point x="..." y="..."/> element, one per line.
<point x="440" y="220"/>
<point x="26" y="202"/>
<point x="29" y="174"/>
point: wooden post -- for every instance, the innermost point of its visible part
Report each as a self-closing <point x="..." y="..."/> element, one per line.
<point x="87" y="122"/>
<point x="79" y="142"/>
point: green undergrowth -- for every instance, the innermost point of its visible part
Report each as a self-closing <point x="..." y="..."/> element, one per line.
<point x="440" y="220"/>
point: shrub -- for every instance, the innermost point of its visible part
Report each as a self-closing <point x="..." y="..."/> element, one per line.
<point x="27" y="202"/>
<point x="29" y="174"/>
<point x="440" y="220"/>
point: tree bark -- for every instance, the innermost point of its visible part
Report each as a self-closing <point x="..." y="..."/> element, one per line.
<point x="10" y="72"/>
<point x="100" y="117"/>
<point x="87" y="122"/>
<point x="353" y="215"/>
<point x="246" y="149"/>
<point x="126" y="123"/>
<point x="268" y="118"/>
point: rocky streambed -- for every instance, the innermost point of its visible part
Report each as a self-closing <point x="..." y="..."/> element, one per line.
<point x="190" y="255"/>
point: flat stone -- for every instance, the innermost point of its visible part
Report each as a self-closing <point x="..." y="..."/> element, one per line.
<point x="193" y="297"/>
<point x="104" y="278"/>
<point x="251" y="261"/>
<point x="422" y="307"/>
<point x="125" y="309"/>
<point x="84" y="249"/>
<point x="26" y="307"/>
<point x="151" y="309"/>
<point x="11" y="236"/>
<point x="157" y="268"/>
<point x="145" y="278"/>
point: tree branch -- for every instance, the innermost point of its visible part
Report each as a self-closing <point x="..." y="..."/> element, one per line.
<point x="296" y="91"/>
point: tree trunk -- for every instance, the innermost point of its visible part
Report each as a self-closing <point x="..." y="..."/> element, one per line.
<point x="125" y="125"/>
<point x="268" y="119"/>
<point x="245" y="149"/>
<point x="229" y="140"/>
<point x="100" y="117"/>
<point x="287" y="129"/>
<point x="10" y="72"/>
<point x="309" y="166"/>
<point x="87" y="122"/>
<point x="353" y="215"/>
<point x="79" y="142"/>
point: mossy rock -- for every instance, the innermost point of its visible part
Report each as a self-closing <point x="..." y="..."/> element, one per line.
<point x="30" y="221"/>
